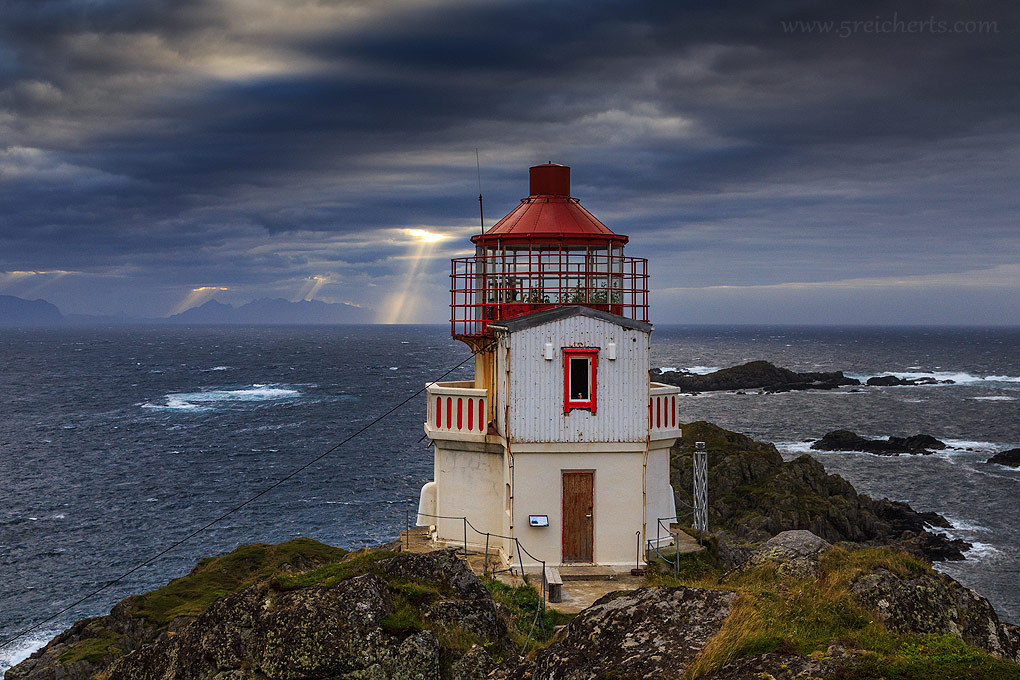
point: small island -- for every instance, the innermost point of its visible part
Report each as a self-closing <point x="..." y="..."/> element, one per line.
<point x="1010" y="458"/>
<point x="844" y="440"/>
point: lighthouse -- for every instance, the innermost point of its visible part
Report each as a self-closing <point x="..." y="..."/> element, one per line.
<point x="560" y="443"/>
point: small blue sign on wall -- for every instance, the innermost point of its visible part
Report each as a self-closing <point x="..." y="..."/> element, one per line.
<point x="538" y="520"/>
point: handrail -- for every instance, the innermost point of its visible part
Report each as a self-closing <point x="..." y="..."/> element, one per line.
<point x="485" y="561"/>
<point x="675" y="563"/>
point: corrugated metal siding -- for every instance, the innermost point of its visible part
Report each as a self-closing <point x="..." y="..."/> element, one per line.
<point x="536" y="384"/>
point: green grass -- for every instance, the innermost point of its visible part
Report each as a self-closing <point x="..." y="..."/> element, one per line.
<point x="216" y="577"/>
<point x="804" y="615"/>
<point x="212" y="579"/>
<point x="932" y="657"/>
<point x="406" y="618"/>
<point x="93" y="649"/>
<point x="522" y="602"/>
<point x="697" y="570"/>
<point x="350" y="565"/>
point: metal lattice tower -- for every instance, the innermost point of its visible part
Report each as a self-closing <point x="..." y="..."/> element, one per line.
<point x="700" y="487"/>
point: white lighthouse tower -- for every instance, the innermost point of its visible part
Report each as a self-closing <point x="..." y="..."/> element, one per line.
<point x="560" y="442"/>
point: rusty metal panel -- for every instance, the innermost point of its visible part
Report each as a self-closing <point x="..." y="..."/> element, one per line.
<point x="536" y="384"/>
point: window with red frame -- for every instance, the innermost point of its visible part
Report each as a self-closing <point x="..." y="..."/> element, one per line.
<point x="580" y="365"/>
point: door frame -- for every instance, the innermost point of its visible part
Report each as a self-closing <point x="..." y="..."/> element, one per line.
<point x="563" y="517"/>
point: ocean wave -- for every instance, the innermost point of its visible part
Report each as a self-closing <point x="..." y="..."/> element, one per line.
<point x="965" y="525"/>
<point x="996" y="398"/>
<point x="205" y="401"/>
<point x="979" y="550"/>
<point x="966" y="445"/>
<point x="794" y="447"/>
<point x="958" y="377"/>
<point x="696" y="370"/>
<point x="18" y="651"/>
<point x="219" y="368"/>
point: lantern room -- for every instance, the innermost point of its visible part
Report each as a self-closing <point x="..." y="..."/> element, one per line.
<point x="547" y="252"/>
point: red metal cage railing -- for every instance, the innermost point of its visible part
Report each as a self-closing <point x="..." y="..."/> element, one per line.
<point x="505" y="284"/>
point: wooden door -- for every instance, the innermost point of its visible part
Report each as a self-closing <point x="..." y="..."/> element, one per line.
<point x="578" y="520"/>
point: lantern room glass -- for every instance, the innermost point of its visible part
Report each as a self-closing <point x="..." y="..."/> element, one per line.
<point x="504" y="280"/>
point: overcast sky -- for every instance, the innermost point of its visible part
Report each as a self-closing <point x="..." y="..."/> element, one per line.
<point x="156" y="154"/>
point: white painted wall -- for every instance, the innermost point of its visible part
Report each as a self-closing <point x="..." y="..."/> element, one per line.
<point x="469" y="483"/>
<point x="617" y="508"/>
<point x="660" y="500"/>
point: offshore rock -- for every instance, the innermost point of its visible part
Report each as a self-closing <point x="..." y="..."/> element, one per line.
<point x="845" y="440"/>
<point x="933" y="603"/>
<point x="646" y="633"/>
<point x="754" y="375"/>
<point x="1010" y="458"/>
<point x="756" y="495"/>
<point x="894" y="381"/>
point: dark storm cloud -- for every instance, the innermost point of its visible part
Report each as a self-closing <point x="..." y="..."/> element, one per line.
<point x="238" y="142"/>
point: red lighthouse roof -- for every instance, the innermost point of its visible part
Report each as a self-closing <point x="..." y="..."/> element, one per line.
<point x="549" y="215"/>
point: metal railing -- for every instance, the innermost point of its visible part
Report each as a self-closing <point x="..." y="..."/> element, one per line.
<point x="490" y="288"/>
<point x="485" y="561"/>
<point x="660" y="528"/>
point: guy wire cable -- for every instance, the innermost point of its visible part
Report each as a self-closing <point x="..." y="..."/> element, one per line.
<point x="230" y="512"/>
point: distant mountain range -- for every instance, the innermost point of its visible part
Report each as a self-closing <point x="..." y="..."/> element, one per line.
<point x="15" y="311"/>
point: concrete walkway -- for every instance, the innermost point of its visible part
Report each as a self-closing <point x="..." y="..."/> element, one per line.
<point x="582" y="584"/>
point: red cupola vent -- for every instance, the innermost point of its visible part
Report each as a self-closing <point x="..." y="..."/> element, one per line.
<point x="551" y="179"/>
<point x="547" y="252"/>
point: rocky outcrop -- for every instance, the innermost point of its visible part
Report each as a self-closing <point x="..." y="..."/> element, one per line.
<point x="845" y="440"/>
<point x="754" y="375"/>
<point x="407" y="616"/>
<point x="894" y="381"/>
<point x="756" y="495"/>
<point x="376" y="615"/>
<point x="777" y="666"/>
<point x="933" y="603"/>
<point x="646" y="633"/>
<point x="795" y="552"/>
<point x="1010" y="458"/>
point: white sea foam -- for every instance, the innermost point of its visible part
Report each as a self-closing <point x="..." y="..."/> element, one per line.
<point x="18" y="651"/>
<point x="794" y="447"/>
<point x="204" y="401"/>
<point x="979" y="550"/>
<point x="965" y="525"/>
<point x="220" y="368"/>
<point x="696" y="370"/>
<point x="996" y="398"/>
<point x="967" y="445"/>
<point x="958" y="377"/>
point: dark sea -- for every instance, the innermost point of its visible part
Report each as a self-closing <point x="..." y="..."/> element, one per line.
<point x="116" y="442"/>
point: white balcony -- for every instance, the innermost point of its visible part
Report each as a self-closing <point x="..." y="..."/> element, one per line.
<point x="663" y="411"/>
<point x="456" y="410"/>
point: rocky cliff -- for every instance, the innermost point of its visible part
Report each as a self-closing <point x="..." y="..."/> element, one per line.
<point x="787" y="590"/>
<point x="797" y="607"/>
<point x="755" y="494"/>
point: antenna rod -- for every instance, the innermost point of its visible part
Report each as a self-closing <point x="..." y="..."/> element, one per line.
<point x="481" y="214"/>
